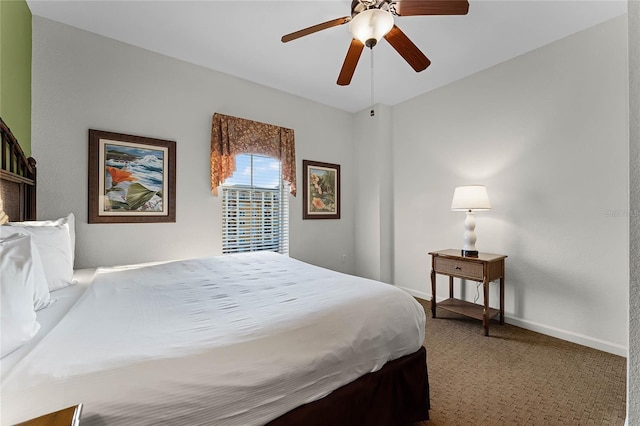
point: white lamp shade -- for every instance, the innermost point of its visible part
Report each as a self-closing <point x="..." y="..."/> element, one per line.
<point x="471" y="197"/>
<point x="371" y="24"/>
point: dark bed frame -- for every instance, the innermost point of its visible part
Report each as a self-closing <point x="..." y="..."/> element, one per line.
<point x="17" y="180"/>
<point x="397" y="394"/>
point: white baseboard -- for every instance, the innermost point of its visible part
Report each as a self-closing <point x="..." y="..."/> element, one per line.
<point x="416" y="293"/>
<point x="570" y="336"/>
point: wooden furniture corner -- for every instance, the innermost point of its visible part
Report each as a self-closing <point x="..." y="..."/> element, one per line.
<point x="66" y="417"/>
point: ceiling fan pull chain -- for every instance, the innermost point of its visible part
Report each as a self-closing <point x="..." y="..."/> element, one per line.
<point x="372" y="112"/>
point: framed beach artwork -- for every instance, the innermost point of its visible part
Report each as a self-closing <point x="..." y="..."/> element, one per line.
<point x="132" y="179"/>
<point x="320" y="190"/>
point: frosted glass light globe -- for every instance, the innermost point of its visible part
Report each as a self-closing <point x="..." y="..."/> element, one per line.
<point x="370" y="25"/>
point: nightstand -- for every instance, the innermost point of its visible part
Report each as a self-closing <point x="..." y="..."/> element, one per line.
<point x="66" y="417"/>
<point x="483" y="268"/>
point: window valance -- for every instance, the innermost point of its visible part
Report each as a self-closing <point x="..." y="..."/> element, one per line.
<point x="231" y="136"/>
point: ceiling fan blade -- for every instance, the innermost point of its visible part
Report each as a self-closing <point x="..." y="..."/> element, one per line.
<point x="315" y="28"/>
<point x="409" y="51"/>
<point x="431" y="7"/>
<point x="350" y="62"/>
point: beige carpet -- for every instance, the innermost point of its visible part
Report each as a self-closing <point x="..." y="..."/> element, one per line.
<point x="518" y="377"/>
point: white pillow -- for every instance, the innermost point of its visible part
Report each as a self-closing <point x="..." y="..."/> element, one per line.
<point x="69" y="220"/>
<point x="18" y="319"/>
<point x="54" y="246"/>
<point x="41" y="296"/>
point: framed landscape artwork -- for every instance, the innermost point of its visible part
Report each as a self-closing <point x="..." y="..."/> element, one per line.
<point x="132" y="179"/>
<point x="320" y="190"/>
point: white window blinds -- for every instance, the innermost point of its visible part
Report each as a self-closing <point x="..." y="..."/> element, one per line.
<point x="255" y="207"/>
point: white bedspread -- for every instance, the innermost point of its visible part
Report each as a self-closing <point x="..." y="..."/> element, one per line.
<point x="64" y="299"/>
<point x="235" y="339"/>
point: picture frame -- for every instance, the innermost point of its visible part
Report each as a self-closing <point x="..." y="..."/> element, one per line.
<point x="132" y="179"/>
<point x="320" y="190"/>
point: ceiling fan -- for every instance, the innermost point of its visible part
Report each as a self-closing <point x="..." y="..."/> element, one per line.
<point x="371" y="20"/>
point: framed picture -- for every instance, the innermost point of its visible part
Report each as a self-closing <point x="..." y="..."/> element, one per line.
<point x="132" y="179"/>
<point x="321" y="190"/>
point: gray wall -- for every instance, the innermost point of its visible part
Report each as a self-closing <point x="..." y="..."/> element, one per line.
<point x="633" y="363"/>
<point x="83" y="81"/>
<point x="547" y="134"/>
<point x="374" y="196"/>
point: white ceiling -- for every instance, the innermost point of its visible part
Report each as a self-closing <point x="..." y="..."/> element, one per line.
<point x="242" y="38"/>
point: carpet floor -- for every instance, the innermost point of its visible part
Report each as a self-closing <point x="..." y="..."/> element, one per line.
<point x="517" y="377"/>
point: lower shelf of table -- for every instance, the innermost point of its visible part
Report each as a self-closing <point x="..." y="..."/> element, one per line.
<point x="465" y="308"/>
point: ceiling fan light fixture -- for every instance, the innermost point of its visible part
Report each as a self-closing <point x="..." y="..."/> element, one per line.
<point x="370" y="25"/>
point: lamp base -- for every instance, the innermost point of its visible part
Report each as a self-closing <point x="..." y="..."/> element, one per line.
<point x="469" y="253"/>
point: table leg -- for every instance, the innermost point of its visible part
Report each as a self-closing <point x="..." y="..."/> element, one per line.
<point x="433" y="293"/>
<point x="485" y="312"/>
<point x="502" y="300"/>
<point x="451" y="287"/>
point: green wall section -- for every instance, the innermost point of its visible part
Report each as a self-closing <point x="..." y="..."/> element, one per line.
<point x="15" y="69"/>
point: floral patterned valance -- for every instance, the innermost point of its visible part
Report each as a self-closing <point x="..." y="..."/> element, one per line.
<point x="231" y="136"/>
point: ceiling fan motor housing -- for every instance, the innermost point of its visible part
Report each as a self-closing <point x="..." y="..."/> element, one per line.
<point x="358" y="6"/>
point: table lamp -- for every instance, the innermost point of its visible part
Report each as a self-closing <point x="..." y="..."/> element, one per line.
<point x="470" y="198"/>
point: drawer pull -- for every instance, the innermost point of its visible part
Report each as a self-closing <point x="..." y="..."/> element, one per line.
<point x="458" y="268"/>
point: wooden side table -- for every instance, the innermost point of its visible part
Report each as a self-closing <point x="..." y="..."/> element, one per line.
<point x="66" y="417"/>
<point x="484" y="268"/>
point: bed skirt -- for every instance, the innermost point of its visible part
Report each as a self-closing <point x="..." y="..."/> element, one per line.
<point x="397" y="394"/>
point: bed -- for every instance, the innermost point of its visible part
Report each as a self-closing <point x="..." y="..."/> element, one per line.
<point x="247" y="339"/>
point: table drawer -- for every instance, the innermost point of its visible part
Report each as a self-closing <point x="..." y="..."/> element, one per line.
<point x="458" y="268"/>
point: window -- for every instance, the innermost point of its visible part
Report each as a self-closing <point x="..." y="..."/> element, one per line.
<point x="255" y="207"/>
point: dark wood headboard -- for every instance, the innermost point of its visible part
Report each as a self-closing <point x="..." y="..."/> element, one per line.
<point x="17" y="180"/>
